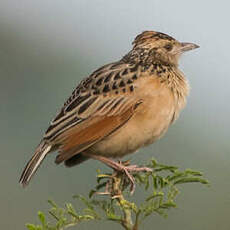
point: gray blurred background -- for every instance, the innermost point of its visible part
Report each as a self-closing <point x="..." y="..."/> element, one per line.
<point x="48" y="46"/>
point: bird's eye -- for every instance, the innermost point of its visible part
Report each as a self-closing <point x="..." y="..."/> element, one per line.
<point x="168" y="47"/>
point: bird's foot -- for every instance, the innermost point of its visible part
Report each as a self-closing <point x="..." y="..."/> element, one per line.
<point x="128" y="170"/>
<point x="123" y="167"/>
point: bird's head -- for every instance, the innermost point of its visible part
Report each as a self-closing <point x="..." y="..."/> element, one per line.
<point x="160" y="47"/>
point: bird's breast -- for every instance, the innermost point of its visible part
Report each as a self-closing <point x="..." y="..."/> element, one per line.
<point x="149" y="122"/>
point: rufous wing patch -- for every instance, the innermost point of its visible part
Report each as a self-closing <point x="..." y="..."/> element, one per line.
<point x="74" y="141"/>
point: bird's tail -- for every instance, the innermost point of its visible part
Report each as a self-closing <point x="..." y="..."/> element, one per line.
<point x="31" y="167"/>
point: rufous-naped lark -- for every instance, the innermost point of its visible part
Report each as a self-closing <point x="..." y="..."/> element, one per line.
<point x="119" y="108"/>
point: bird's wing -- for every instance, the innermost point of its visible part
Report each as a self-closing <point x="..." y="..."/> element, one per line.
<point x="101" y="104"/>
<point x="75" y="141"/>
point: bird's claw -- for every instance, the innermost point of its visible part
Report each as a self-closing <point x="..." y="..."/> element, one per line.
<point x="128" y="169"/>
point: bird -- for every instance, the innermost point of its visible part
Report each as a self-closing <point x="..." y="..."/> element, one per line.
<point x="119" y="108"/>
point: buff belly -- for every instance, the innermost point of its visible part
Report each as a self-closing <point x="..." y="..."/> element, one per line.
<point x="146" y="126"/>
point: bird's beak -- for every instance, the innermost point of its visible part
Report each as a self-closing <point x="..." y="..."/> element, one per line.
<point x="185" y="46"/>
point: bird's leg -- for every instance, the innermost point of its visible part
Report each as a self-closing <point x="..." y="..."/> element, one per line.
<point x="121" y="167"/>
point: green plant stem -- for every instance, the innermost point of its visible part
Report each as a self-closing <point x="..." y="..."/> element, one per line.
<point x="126" y="222"/>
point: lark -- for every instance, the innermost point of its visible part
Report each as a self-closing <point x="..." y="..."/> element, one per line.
<point x="119" y="108"/>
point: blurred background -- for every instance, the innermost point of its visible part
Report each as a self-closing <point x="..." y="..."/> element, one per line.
<point x="48" y="46"/>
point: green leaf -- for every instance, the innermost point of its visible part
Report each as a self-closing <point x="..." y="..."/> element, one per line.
<point x="102" y="185"/>
<point x="102" y="176"/>
<point x="84" y="200"/>
<point x="112" y="216"/>
<point x="165" y="168"/>
<point x="156" y="194"/>
<point x="192" y="172"/>
<point x="92" y="192"/>
<point x="155" y="183"/>
<point x="191" y="180"/>
<point x="161" y="213"/>
<point x="42" y="219"/>
<point x="147" y="183"/>
<point x="71" y="210"/>
<point x="169" y="204"/>
<point x="31" y="226"/>
<point x="153" y="163"/>
<point x="176" y="175"/>
<point x="52" y="203"/>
